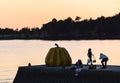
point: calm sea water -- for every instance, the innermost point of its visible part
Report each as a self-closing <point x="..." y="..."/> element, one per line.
<point x="15" y="53"/>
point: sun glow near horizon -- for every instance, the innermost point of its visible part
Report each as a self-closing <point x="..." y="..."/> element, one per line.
<point x="34" y="13"/>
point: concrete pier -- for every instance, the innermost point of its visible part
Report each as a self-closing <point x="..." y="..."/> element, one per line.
<point x="45" y="74"/>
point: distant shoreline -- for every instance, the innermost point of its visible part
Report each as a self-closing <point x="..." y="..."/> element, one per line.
<point x="61" y="39"/>
<point x="19" y="37"/>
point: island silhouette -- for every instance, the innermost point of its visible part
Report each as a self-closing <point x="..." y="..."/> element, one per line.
<point x="69" y="29"/>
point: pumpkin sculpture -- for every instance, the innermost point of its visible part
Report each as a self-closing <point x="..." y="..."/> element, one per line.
<point x="58" y="56"/>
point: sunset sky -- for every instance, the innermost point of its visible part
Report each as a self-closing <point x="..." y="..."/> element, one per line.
<point x="34" y="13"/>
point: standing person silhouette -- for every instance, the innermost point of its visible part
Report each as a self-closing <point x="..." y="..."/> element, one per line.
<point x="89" y="54"/>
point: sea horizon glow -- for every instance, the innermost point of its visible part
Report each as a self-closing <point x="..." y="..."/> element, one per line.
<point x="35" y="13"/>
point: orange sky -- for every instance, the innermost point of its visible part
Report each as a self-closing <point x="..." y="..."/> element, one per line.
<point x="34" y="13"/>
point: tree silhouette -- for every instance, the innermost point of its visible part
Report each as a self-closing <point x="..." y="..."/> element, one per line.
<point x="100" y="28"/>
<point x="77" y="19"/>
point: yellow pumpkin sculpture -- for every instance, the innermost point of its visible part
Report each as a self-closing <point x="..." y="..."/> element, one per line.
<point x="58" y="56"/>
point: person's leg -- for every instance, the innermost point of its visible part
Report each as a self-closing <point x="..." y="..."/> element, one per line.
<point x="106" y="62"/>
<point x="90" y="60"/>
<point x="102" y="63"/>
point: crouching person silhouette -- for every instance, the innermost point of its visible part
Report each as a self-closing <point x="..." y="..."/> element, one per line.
<point x="79" y="66"/>
<point x="104" y="60"/>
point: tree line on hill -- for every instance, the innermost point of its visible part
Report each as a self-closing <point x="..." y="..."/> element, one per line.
<point x="69" y="29"/>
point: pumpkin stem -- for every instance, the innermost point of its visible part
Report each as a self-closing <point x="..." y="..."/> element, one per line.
<point x="57" y="45"/>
